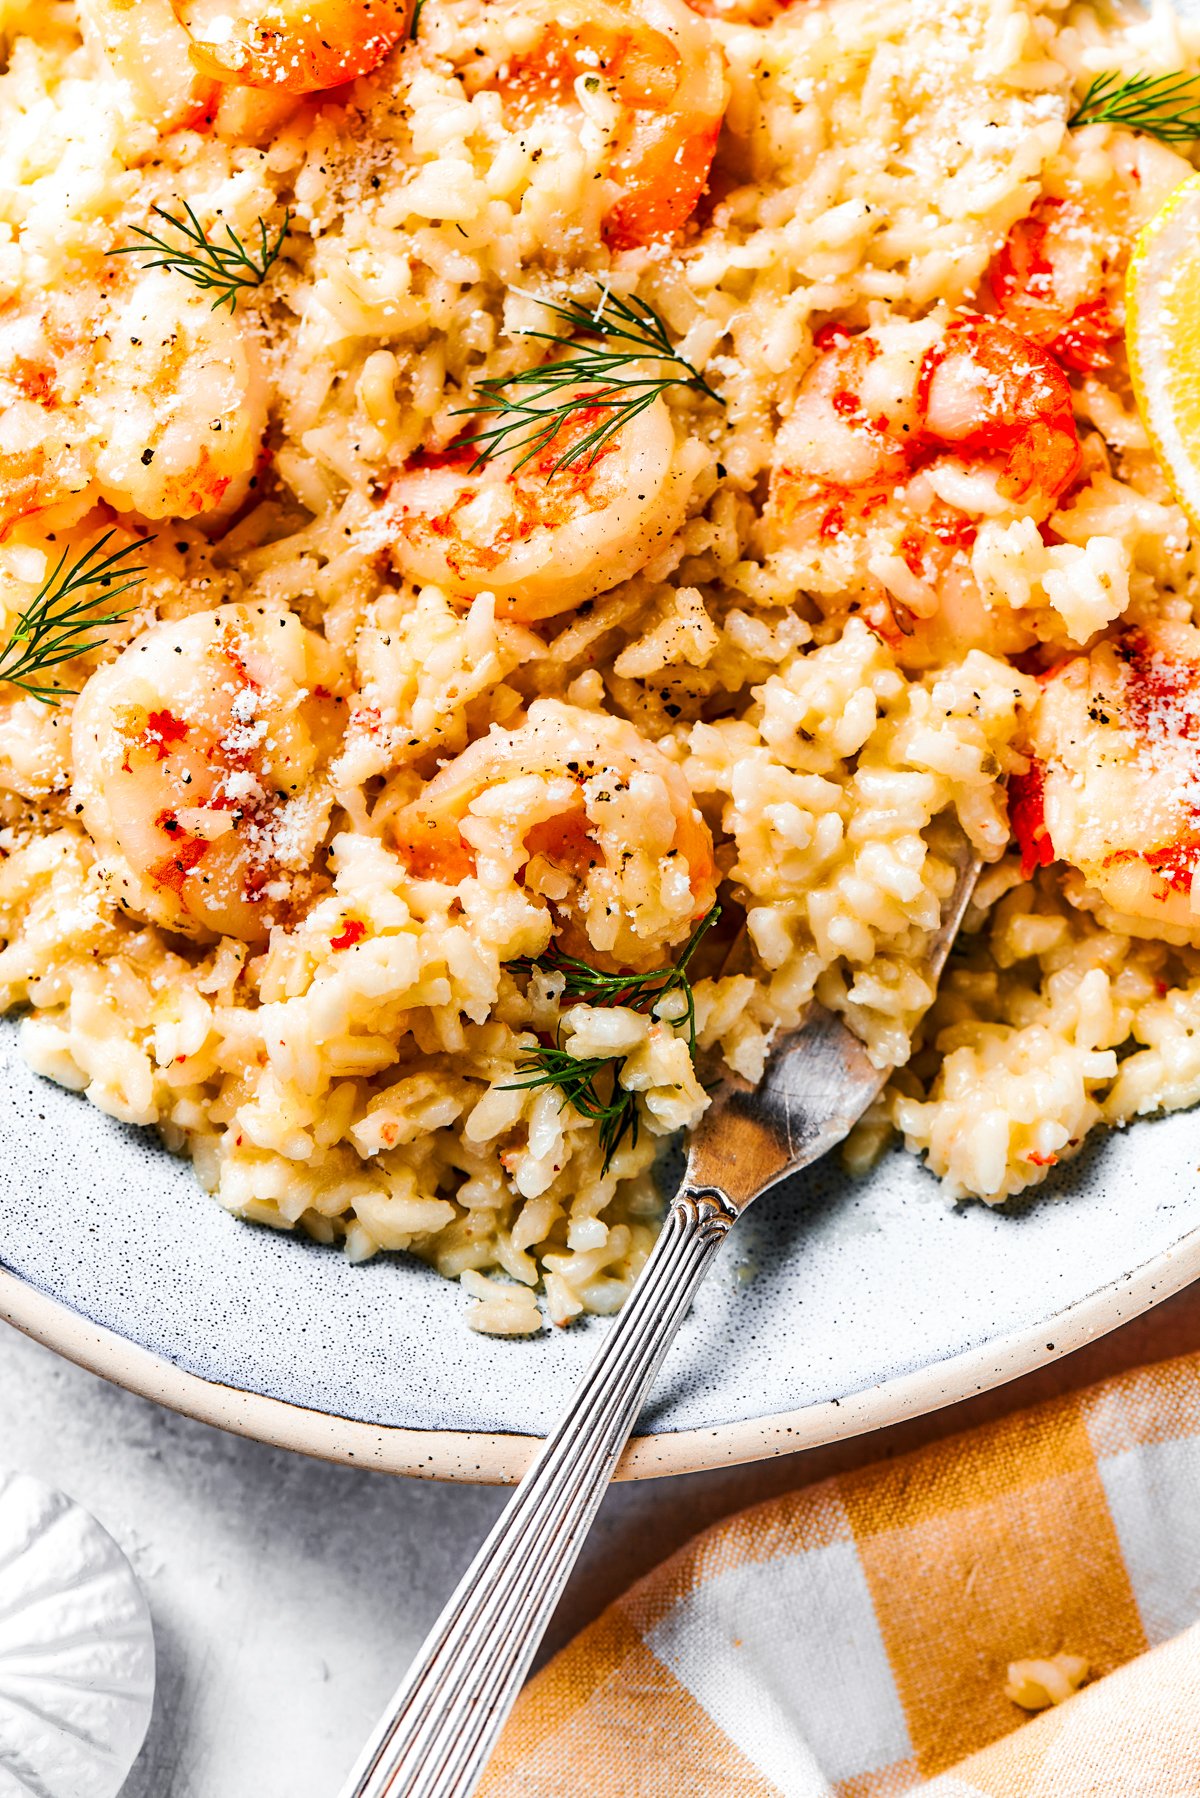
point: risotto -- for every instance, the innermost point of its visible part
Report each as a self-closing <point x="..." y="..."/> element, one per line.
<point x="502" y="502"/>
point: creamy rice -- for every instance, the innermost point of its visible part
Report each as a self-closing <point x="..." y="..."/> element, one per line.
<point x="824" y="702"/>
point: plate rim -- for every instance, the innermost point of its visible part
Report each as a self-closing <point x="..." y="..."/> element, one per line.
<point x="495" y="1458"/>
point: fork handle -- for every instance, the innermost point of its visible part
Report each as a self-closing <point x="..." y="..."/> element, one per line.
<point x="435" y="1737"/>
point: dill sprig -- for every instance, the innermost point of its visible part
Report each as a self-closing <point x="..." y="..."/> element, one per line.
<point x="640" y="992"/>
<point x="60" y="622"/>
<point x="576" y="1078"/>
<point x="609" y="1104"/>
<point x="1163" y="106"/>
<point x="415" y="25"/>
<point x="617" y="377"/>
<point x="219" y="268"/>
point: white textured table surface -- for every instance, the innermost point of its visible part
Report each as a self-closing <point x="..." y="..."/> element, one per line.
<point x="287" y="1595"/>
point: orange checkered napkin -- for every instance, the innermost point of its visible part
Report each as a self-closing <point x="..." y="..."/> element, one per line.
<point x="852" y="1640"/>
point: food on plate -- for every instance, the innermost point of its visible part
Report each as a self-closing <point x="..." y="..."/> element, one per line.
<point x="302" y="46"/>
<point x="527" y="531"/>
<point x="649" y="79"/>
<point x="199" y="761"/>
<point x="1113" y="786"/>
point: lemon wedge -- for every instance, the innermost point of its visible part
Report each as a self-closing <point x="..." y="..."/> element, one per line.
<point x="1162" y="331"/>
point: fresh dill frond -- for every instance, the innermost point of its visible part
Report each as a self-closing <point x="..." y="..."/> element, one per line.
<point x="576" y="1076"/>
<point x="223" y="269"/>
<point x="583" y="984"/>
<point x="416" y="22"/>
<point x="62" y="620"/>
<point x="1163" y="106"/>
<point x="615" y="378"/>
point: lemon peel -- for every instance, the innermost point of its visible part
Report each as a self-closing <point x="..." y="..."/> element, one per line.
<point x="1162" y="332"/>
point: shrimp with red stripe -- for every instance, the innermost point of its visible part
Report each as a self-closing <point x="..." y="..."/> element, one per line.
<point x="903" y="436"/>
<point x="199" y="769"/>
<point x="1059" y="276"/>
<point x="296" y="46"/>
<point x="647" y="76"/>
<point x="151" y="400"/>
<point x="1113" y="787"/>
<point x="1056" y="282"/>
<point x="540" y="534"/>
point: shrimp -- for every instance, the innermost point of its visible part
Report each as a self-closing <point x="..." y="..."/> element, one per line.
<point x="44" y="459"/>
<point x="878" y="406"/>
<point x="146" y="49"/>
<point x="902" y="436"/>
<point x="650" y="74"/>
<point x="1058" y="278"/>
<point x="1053" y="281"/>
<point x="300" y="46"/>
<point x="994" y="397"/>
<point x="583" y="811"/>
<point x="1114" y="781"/>
<point x="855" y="423"/>
<point x="157" y="404"/>
<point x="199" y="756"/>
<point x="543" y="541"/>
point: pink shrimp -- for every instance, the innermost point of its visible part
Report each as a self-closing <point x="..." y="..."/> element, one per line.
<point x="540" y="540"/>
<point x="660" y="67"/>
<point x="986" y="393"/>
<point x="879" y="405"/>
<point x="1114" y="781"/>
<point x="587" y="814"/>
<point x="155" y="404"/>
<point x="1052" y="282"/>
<point x="199" y="755"/>
<point x="902" y="437"/>
<point x="300" y="46"/>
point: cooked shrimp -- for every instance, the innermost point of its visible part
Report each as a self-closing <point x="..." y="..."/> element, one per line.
<point x="178" y="404"/>
<point x="650" y="74"/>
<point x="1114" y="781"/>
<point x="544" y="541"/>
<point x="879" y="406"/>
<point x="1053" y="281"/>
<point x="199" y="756"/>
<point x="1000" y="401"/>
<point x="156" y="405"/>
<point x="855" y="423"/>
<point x="43" y="361"/>
<point x="301" y="46"/>
<point x="901" y="438"/>
<point x="587" y="814"/>
<point x="146" y="48"/>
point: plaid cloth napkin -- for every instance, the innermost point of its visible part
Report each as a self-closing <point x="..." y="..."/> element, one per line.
<point x="855" y="1639"/>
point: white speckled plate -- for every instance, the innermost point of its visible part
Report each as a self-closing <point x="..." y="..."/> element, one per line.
<point x="838" y="1306"/>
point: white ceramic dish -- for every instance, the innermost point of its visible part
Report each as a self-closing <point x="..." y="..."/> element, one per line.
<point x="840" y="1306"/>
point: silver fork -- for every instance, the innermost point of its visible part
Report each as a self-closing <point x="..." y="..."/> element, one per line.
<point x="435" y="1738"/>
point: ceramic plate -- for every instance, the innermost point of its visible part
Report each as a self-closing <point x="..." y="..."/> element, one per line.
<point x="836" y="1305"/>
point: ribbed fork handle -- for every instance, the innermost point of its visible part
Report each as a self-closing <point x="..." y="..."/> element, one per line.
<point x="435" y="1739"/>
